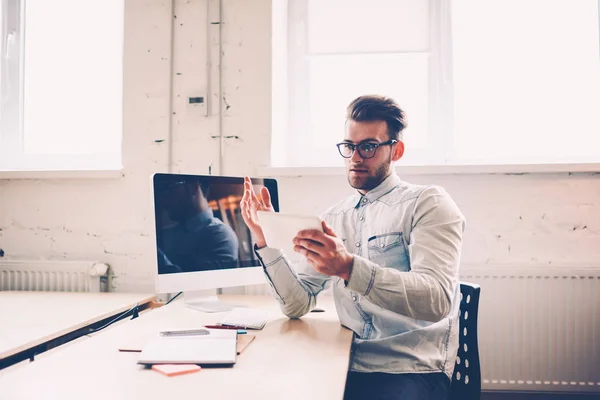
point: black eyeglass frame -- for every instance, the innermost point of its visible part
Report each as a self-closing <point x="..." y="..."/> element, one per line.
<point x="355" y="146"/>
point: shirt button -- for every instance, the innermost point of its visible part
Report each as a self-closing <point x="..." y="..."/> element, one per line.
<point x="365" y="200"/>
<point x="354" y="297"/>
<point x="361" y="218"/>
<point x="382" y="245"/>
<point x="357" y="244"/>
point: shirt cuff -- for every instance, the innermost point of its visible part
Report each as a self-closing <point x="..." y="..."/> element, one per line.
<point x="362" y="277"/>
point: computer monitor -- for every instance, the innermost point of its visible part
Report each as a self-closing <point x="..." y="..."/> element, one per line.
<point x="202" y="241"/>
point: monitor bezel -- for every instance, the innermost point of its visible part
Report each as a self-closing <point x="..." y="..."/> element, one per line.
<point x="213" y="279"/>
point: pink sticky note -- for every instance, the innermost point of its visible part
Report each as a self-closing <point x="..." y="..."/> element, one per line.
<point x="176" y="369"/>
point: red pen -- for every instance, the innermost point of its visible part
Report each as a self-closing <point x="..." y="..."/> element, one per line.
<point x="224" y="327"/>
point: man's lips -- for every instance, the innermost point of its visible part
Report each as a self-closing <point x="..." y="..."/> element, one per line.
<point x="358" y="170"/>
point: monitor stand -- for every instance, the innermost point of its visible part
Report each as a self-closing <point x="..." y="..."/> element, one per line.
<point x="206" y="300"/>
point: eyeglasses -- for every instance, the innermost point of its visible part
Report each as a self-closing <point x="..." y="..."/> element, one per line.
<point x="365" y="149"/>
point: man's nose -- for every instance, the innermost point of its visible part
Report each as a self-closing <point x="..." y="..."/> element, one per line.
<point x="356" y="158"/>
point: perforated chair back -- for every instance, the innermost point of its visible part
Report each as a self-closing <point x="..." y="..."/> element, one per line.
<point x="466" y="381"/>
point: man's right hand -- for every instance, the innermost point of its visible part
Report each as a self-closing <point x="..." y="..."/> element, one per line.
<point x="251" y="203"/>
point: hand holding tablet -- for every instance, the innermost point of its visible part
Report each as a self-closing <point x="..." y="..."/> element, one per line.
<point x="326" y="252"/>
<point x="280" y="229"/>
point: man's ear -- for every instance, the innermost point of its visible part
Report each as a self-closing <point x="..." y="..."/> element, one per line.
<point x="399" y="150"/>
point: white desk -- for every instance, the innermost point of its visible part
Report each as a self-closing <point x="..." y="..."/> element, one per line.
<point x="31" y="319"/>
<point x="289" y="359"/>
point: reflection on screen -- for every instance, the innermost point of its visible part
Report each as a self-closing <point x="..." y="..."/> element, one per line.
<point x="199" y="225"/>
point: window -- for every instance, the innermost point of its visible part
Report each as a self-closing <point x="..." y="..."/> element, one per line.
<point x="481" y="81"/>
<point x="61" y="84"/>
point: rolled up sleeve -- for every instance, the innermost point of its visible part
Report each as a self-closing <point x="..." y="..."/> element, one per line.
<point x="426" y="291"/>
<point x="296" y="292"/>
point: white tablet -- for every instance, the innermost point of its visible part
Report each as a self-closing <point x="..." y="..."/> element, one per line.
<point x="280" y="229"/>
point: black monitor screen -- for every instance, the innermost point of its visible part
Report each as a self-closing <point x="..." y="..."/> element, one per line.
<point x="199" y="224"/>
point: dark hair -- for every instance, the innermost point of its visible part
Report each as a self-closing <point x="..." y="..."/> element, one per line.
<point x="378" y="108"/>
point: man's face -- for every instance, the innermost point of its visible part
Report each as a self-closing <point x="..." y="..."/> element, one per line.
<point x="365" y="174"/>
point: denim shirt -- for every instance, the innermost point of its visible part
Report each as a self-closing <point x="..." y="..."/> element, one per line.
<point x="402" y="297"/>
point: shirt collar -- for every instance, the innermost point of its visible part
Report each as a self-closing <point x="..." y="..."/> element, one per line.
<point x="383" y="188"/>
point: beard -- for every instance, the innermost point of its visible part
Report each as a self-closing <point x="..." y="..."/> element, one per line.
<point x="369" y="181"/>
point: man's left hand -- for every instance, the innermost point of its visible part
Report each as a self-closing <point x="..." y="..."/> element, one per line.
<point x="325" y="252"/>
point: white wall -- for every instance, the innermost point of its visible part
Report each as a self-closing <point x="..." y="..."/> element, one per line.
<point x="513" y="219"/>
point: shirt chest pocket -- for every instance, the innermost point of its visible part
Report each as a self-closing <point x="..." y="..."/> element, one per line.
<point x="389" y="251"/>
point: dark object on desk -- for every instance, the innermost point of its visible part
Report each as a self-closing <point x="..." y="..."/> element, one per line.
<point x="187" y="332"/>
<point x="173" y="298"/>
<point x="129" y="349"/>
<point x="240" y="330"/>
<point x="224" y="327"/>
<point x="134" y="311"/>
<point x="466" y="381"/>
<point x="317" y="310"/>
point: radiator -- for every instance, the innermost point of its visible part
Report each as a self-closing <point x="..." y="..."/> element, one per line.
<point x="539" y="327"/>
<point x="53" y="276"/>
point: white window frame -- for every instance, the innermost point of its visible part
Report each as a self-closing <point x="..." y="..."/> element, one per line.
<point x="14" y="162"/>
<point x="11" y="58"/>
<point x="287" y="127"/>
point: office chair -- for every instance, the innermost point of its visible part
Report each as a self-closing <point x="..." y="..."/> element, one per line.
<point x="466" y="380"/>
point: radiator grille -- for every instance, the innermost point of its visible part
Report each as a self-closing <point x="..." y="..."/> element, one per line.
<point x="539" y="328"/>
<point x="53" y="276"/>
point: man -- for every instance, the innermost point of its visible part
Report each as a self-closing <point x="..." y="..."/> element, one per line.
<point x="391" y="253"/>
<point x="190" y="237"/>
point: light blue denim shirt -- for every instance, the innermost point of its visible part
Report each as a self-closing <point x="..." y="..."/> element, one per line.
<point x="402" y="297"/>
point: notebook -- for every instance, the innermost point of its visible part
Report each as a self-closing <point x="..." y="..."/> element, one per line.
<point x="215" y="349"/>
<point x="245" y="318"/>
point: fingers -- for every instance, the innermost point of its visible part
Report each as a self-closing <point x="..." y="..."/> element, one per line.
<point x="312" y="257"/>
<point x="246" y="213"/>
<point x="314" y="235"/>
<point x="315" y="260"/>
<point x="311" y="234"/>
<point x="247" y="203"/>
<point x="309" y="245"/>
<point x="266" y="197"/>
<point x="248" y="190"/>
<point x="328" y="230"/>
<point x="245" y="208"/>
<point x="245" y="198"/>
<point x="248" y="187"/>
<point x="253" y="200"/>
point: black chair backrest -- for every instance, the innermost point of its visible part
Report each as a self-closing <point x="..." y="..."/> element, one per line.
<point x="466" y="381"/>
